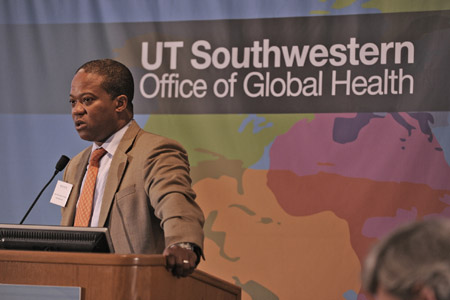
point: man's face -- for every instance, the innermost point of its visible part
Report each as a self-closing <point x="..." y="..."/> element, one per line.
<point x="93" y="110"/>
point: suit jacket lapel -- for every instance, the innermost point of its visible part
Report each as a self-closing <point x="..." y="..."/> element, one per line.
<point x="116" y="171"/>
<point x="76" y="178"/>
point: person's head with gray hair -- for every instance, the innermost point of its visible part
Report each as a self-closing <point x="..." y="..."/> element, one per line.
<point x="413" y="262"/>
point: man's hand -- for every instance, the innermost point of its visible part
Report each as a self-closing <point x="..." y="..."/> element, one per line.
<point x="180" y="261"/>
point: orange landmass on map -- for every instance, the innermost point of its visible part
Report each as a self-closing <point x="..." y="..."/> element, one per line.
<point x="251" y="239"/>
<point x="352" y="199"/>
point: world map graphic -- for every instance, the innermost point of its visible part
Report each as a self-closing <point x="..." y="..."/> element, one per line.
<point x="295" y="201"/>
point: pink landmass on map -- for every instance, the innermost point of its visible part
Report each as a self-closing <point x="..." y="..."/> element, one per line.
<point x="384" y="150"/>
<point x="386" y="171"/>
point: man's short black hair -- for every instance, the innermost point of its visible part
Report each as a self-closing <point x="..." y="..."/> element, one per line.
<point x="118" y="79"/>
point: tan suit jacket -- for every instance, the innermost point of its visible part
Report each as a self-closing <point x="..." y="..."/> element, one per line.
<point x="148" y="202"/>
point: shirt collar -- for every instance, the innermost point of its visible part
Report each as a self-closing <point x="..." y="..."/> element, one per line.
<point x="111" y="144"/>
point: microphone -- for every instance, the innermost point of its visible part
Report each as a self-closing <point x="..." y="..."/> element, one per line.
<point x="60" y="165"/>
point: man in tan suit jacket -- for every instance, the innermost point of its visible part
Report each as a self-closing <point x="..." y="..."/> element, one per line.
<point x="147" y="202"/>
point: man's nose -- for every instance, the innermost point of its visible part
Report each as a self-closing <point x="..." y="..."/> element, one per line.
<point x="78" y="108"/>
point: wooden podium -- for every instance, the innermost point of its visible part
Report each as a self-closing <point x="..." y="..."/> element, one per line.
<point x="111" y="276"/>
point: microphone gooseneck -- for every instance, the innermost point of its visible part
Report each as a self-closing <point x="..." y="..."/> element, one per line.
<point x="60" y="165"/>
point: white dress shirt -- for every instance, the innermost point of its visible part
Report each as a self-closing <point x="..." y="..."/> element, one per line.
<point x="110" y="145"/>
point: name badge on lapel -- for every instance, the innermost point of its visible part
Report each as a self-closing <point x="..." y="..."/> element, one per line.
<point x="61" y="193"/>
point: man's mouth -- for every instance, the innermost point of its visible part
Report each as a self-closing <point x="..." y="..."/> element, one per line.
<point x="79" y="124"/>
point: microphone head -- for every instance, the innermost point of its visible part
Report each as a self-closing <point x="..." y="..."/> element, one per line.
<point x="62" y="163"/>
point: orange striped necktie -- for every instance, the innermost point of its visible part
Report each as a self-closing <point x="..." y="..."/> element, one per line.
<point x="84" y="209"/>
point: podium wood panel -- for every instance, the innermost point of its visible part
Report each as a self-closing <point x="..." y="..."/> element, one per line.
<point x="111" y="276"/>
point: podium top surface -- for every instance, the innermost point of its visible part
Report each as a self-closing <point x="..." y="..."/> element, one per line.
<point x="83" y="258"/>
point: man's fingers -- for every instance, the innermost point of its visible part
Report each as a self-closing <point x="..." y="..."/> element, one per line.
<point x="180" y="262"/>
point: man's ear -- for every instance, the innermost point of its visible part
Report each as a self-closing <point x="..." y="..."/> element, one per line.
<point x="121" y="103"/>
<point x="426" y="293"/>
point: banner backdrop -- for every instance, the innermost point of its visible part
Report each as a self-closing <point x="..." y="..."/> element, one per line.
<point x="313" y="127"/>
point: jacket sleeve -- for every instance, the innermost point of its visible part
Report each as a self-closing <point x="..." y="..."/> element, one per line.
<point x="168" y="184"/>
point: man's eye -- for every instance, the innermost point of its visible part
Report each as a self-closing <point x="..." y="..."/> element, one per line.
<point x="87" y="100"/>
<point x="72" y="102"/>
